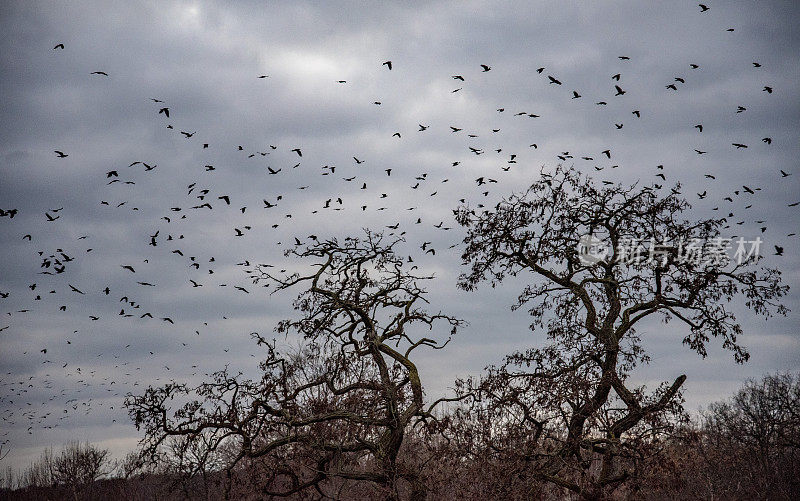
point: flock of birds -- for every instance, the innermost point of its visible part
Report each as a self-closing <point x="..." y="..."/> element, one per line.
<point x="34" y="400"/>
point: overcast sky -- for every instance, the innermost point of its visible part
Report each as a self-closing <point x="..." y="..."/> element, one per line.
<point x="328" y="94"/>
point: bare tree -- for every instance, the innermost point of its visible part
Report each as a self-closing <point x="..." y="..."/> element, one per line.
<point x="333" y="416"/>
<point x="751" y="442"/>
<point x="566" y="413"/>
<point x="78" y="467"/>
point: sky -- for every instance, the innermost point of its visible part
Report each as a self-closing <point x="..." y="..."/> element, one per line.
<point x="327" y="93"/>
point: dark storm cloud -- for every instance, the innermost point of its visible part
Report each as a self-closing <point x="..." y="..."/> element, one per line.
<point x="203" y="60"/>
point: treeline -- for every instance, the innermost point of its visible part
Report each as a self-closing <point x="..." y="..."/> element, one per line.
<point x="747" y="447"/>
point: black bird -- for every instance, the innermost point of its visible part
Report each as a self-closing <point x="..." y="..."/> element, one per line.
<point x="388" y="64"/>
<point x="703" y="8"/>
<point x="61" y="154"/>
<point x="768" y="89"/>
<point x="74" y="289"/>
<point x="767" y="140"/>
<point x="757" y="65"/>
<point x="226" y="198"/>
<point x="616" y="77"/>
<point x="553" y="80"/>
<point x="128" y="267"/>
<point x="623" y="58"/>
<point x="299" y="153"/>
<point x="699" y="152"/>
<point x="699" y="127"/>
<point x="99" y="73"/>
<point x="637" y="113"/>
<point x="458" y="77"/>
<point x="539" y="70"/>
<point x="785" y="174"/>
<point x="58" y="46"/>
<point x="485" y="68"/>
<point x="694" y="66"/>
<point x="263" y="76"/>
<point x="619" y="90"/>
<point x="778" y="250"/>
<point x="671" y="86"/>
<point x="575" y="94"/>
<point x="164" y="111"/>
<point x="739" y="145"/>
<point x="358" y="161"/>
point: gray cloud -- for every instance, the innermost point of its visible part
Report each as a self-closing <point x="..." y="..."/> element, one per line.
<point x="203" y="60"/>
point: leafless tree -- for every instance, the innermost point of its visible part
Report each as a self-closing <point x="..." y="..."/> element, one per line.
<point x="331" y="418"/>
<point x="566" y="413"/>
<point x="745" y="447"/>
<point x="78" y="467"/>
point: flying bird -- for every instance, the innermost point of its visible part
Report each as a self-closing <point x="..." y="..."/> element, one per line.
<point x="99" y="73"/>
<point x="703" y="8"/>
<point x="164" y="111"/>
<point x="58" y="46"/>
<point x="388" y="64"/>
<point x="60" y="154"/>
<point x="485" y="68"/>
